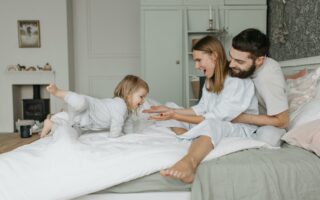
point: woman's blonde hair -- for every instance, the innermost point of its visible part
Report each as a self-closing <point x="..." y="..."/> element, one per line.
<point x="213" y="47"/>
<point x="128" y="85"/>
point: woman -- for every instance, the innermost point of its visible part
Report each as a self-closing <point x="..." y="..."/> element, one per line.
<point x="223" y="98"/>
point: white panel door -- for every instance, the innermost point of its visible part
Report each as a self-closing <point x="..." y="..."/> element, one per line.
<point x="106" y="44"/>
<point x="162" y="53"/>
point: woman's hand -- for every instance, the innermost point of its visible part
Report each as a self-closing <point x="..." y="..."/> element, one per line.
<point x="157" y="109"/>
<point x="167" y="115"/>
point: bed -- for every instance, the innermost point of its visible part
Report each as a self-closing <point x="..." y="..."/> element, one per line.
<point x="287" y="173"/>
<point x="254" y="173"/>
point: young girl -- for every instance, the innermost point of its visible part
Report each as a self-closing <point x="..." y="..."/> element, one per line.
<point x="89" y="113"/>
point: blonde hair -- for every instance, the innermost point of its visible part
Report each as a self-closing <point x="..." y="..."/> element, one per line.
<point x="128" y="85"/>
<point x="212" y="46"/>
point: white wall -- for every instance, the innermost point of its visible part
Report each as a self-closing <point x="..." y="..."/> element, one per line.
<point x="54" y="45"/>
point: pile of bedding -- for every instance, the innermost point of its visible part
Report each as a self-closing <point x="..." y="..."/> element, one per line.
<point x="65" y="166"/>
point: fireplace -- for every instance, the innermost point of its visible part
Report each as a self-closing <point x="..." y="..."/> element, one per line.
<point x="36" y="108"/>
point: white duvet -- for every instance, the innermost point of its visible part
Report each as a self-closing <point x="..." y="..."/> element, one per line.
<point x="64" y="166"/>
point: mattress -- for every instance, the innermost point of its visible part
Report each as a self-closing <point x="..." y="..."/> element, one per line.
<point x="286" y="173"/>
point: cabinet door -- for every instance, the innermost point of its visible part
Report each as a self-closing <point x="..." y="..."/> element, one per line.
<point x="239" y="18"/>
<point x="162" y="52"/>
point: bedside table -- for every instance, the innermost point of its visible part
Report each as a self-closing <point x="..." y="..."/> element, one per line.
<point x="10" y="141"/>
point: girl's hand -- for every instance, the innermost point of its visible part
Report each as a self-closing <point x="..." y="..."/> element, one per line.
<point x="157" y="109"/>
<point x="170" y="114"/>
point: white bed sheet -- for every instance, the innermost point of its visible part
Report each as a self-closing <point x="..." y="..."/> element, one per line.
<point x="65" y="167"/>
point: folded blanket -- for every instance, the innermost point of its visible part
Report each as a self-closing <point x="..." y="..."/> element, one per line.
<point x="65" y="166"/>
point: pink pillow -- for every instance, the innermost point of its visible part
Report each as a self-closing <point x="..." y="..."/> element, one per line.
<point x="306" y="136"/>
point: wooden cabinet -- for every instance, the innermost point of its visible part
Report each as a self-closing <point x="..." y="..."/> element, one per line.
<point x="167" y="31"/>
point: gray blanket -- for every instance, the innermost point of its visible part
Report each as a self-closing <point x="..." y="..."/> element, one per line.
<point x="264" y="174"/>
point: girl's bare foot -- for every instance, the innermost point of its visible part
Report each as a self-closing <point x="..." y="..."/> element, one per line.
<point x="55" y="91"/>
<point x="184" y="170"/>
<point x="47" y="125"/>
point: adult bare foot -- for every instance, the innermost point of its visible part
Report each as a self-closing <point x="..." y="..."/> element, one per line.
<point x="183" y="170"/>
<point x="55" y="91"/>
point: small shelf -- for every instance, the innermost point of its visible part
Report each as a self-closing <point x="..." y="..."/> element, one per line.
<point x="30" y="77"/>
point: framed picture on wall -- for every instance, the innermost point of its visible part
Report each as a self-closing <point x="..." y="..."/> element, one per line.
<point x="29" y="33"/>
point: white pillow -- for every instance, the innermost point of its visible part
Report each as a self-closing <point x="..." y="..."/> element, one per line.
<point x="302" y="90"/>
<point x="306" y="113"/>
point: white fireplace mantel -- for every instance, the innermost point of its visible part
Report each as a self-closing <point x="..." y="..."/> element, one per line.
<point x="30" y="77"/>
<point x="13" y="78"/>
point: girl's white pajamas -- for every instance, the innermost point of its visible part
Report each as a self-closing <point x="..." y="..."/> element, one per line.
<point x="89" y="113"/>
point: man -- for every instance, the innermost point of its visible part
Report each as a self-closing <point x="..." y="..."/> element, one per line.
<point x="248" y="59"/>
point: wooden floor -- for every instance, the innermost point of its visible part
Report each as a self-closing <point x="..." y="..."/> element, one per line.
<point x="9" y="141"/>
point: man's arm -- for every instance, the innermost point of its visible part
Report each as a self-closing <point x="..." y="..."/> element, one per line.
<point x="280" y="120"/>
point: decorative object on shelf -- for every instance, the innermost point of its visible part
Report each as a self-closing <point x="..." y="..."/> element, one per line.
<point x="18" y="67"/>
<point x="12" y="68"/>
<point x="210" y="20"/>
<point x="210" y="25"/>
<point x="29" y="33"/>
<point x="195" y="83"/>
<point x="47" y="67"/>
<point x="21" y="67"/>
<point x="31" y="68"/>
<point x="217" y="19"/>
<point x="216" y="26"/>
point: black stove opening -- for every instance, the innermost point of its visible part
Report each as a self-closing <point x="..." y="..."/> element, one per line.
<point x="36" y="109"/>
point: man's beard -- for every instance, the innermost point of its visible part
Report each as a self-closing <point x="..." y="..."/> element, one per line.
<point x="242" y="73"/>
